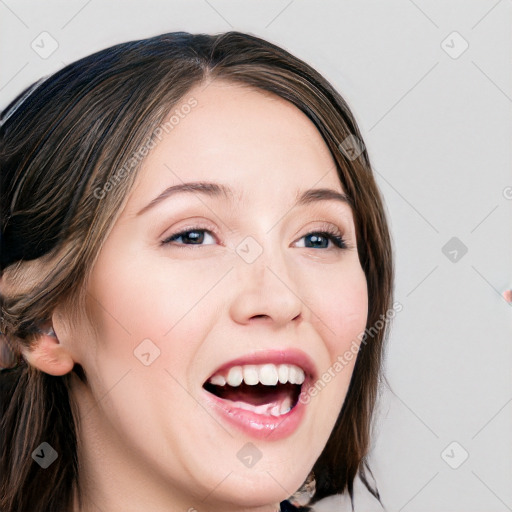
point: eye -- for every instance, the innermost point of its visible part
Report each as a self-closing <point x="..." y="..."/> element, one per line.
<point x="191" y="236"/>
<point x="321" y="239"/>
<point x="328" y="238"/>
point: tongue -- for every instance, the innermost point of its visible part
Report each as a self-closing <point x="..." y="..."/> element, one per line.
<point x="256" y="395"/>
<point x="273" y="408"/>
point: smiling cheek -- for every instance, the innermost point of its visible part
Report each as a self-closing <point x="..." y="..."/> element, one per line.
<point x="339" y="310"/>
<point x="139" y="308"/>
<point x="142" y="294"/>
<point x="338" y="304"/>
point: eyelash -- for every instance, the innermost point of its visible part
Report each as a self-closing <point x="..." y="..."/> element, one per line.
<point x="328" y="232"/>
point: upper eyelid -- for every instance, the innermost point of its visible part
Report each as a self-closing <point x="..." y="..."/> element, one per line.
<point x="327" y="225"/>
<point x="339" y="224"/>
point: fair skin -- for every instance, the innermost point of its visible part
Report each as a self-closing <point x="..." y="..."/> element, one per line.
<point x="148" y="439"/>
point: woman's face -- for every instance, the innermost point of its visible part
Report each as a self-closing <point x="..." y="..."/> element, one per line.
<point x="237" y="274"/>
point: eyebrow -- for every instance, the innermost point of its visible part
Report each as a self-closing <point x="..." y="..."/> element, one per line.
<point x="217" y="190"/>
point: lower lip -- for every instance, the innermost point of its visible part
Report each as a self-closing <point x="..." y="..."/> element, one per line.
<point x="258" y="426"/>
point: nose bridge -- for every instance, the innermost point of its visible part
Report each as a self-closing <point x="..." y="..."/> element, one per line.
<point x="265" y="284"/>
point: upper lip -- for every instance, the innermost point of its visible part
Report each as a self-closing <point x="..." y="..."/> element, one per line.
<point x="275" y="356"/>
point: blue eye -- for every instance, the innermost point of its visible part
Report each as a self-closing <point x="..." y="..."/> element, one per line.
<point x="321" y="239"/>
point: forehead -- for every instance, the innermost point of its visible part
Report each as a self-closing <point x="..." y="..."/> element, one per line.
<point x="251" y="140"/>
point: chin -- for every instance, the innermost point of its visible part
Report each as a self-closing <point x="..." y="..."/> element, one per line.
<point x="261" y="490"/>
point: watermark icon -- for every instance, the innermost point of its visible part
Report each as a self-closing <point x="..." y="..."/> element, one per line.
<point x="351" y="147"/>
<point x="44" y="455"/>
<point x="44" y="45"/>
<point x="146" y="352"/>
<point x="454" y="249"/>
<point x="344" y="359"/>
<point x="507" y="193"/>
<point x="454" y="455"/>
<point x="249" y="455"/>
<point x="454" y="45"/>
<point x="249" y="249"/>
<point x="148" y="144"/>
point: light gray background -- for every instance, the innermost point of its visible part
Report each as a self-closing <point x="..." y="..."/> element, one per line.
<point x="438" y="130"/>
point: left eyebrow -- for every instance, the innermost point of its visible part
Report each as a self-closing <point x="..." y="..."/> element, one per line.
<point x="215" y="190"/>
<point x="321" y="194"/>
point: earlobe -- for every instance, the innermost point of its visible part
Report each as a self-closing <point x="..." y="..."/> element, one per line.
<point x="49" y="355"/>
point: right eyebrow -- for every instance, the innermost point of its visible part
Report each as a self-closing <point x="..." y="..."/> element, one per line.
<point x="203" y="187"/>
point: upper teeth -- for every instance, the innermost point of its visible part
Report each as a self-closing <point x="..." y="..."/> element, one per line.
<point x="266" y="374"/>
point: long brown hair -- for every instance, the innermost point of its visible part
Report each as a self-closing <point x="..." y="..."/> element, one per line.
<point x="62" y="142"/>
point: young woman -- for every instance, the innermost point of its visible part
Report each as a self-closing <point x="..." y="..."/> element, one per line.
<point x="196" y="280"/>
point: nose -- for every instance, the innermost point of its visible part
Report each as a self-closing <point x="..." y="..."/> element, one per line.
<point x="265" y="292"/>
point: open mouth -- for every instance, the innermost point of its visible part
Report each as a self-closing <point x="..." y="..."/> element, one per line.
<point x="266" y="389"/>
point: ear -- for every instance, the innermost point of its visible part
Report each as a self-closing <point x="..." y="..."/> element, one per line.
<point x="49" y="355"/>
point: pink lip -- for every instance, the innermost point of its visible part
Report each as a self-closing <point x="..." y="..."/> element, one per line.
<point x="284" y="356"/>
<point x="259" y="426"/>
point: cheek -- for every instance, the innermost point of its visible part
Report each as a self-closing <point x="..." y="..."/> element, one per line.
<point x="339" y="306"/>
<point x="339" y="310"/>
<point x="143" y="305"/>
<point x="146" y="341"/>
<point x="135" y="295"/>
